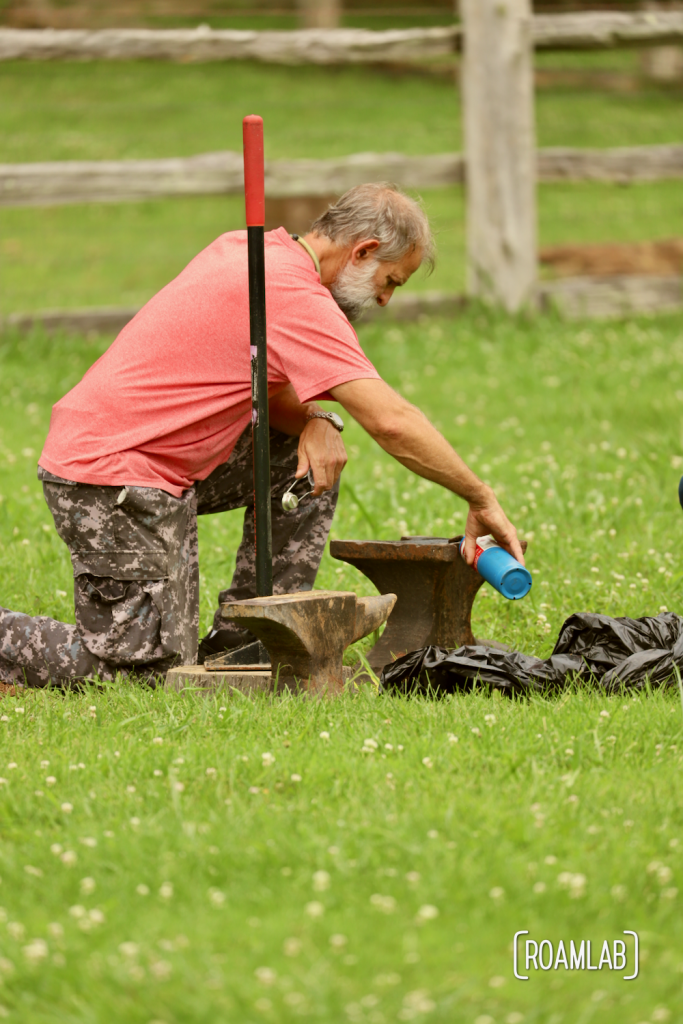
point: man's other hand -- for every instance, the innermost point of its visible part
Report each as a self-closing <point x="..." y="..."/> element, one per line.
<point x="321" y="450"/>
<point x="489" y="518"/>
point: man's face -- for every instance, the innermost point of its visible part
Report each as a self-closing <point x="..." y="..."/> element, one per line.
<point x="364" y="279"/>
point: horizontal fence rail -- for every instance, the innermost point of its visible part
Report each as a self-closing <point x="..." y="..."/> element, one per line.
<point x="591" y="30"/>
<point x="110" y="181"/>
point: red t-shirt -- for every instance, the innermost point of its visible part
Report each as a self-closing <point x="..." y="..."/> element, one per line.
<point x="167" y="401"/>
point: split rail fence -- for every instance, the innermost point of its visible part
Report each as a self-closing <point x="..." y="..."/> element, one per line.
<point x="501" y="163"/>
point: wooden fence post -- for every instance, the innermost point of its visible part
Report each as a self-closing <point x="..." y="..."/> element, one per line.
<point x="500" y="150"/>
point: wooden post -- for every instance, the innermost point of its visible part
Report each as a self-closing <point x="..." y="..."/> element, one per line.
<point x="320" y="13"/>
<point x="500" y="150"/>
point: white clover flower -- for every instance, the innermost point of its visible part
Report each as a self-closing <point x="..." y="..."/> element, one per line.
<point x="36" y="950"/>
<point x="497" y="981"/>
<point x="67" y="808"/>
<point x="50" y="780"/>
<point x="157" y="773"/>
<point x="388" y="746"/>
<point x="129" y="949"/>
<point x="291" y="947"/>
<point x="157" y="741"/>
<point x="419" y="1002"/>
<point x="166" y="891"/>
<point x="428" y="912"/>
<point x="44" y="764"/>
<point x="295" y="777"/>
<point x="161" y="969"/>
<point x="654" y="866"/>
<point x="16" y="930"/>
<point x="266" y="975"/>
<point x="217" y="897"/>
<point x="371" y="744"/>
<point x="338" y="941"/>
<point x="314" y="909"/>
<point x="427" y="762"/>
<point x="539" y="887"/>
<point x="267" y="759"/>
<point x="619" y="893"/>
<point x="179" y="787"/>
<point x="130" y="789"/>
<point x="88" y="886"/>
<point x="664" y="874"/>
<point x="324" y="735"/>
<point x="12" y="765"/>
<point x="134" y="822"/>
<point x="490" y="720"/>
<point x="18" y="711"/>
<point x="604" y="714"/>
<point x="432" y="834"/>
<point x="476" y="731"/>
<point x="452" y="738"/>
<point x="77" y="911"/>
<point x="669" y="894"/>
<point x="96" y="916"/>
<point x="254" y="790"/>
<point x="30" y="870"/>
<point x="413" y="877"/>
<point x="89" y="841"/>
<point x="211" y="771"/>
<point x="142" y="890"/>
<point x="321" y="881"/>
<point x="4" y="718"/>
<point x="387" y="904"/>
<point x="497" y="893"/>
<point x="55" y="929"/>
<point x="69" y="857"/>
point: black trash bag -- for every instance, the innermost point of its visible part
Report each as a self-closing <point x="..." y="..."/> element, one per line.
<point x="613" y="653"/>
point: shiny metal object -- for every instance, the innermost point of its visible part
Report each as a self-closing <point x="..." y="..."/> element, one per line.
<point x="290" y="501"/>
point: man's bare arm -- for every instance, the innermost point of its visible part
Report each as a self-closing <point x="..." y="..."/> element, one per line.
<point x="321" y="448"/>
<point x="404" y="432"/>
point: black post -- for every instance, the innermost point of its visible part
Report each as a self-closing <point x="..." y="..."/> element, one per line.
<point x="255" y="209"/>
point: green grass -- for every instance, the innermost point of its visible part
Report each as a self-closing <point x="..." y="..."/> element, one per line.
<point x="162" y="897"/>
<point x="117" y="111"/>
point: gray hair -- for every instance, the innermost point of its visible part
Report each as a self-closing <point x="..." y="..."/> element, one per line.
<point x="383" y="211"/>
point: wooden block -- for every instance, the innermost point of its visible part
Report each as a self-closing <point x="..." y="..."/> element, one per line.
<point x="195" y="677"/>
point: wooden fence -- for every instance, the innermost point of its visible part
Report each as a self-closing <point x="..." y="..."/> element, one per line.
<point x="113" y="181"/>
<point x="597" y="30"/>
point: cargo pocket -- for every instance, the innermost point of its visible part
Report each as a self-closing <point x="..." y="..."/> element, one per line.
<point x="119" y="602"/>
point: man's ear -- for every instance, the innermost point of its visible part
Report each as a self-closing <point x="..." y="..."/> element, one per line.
<point x="363" y="249"/>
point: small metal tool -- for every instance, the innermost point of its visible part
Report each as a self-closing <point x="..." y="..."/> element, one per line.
<point x="290" y="501"/>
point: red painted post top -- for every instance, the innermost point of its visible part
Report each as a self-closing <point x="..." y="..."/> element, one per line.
<point x="254" y="196"/>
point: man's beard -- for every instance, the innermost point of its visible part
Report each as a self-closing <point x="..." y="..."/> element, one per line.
<point x="354" y="288"/>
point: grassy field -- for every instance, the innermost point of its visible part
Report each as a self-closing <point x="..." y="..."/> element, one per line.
<point x="182" y="860"/>
<point x="121" y="254"/>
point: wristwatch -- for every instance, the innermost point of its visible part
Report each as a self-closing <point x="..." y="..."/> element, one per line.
<point x="334" y="419"/>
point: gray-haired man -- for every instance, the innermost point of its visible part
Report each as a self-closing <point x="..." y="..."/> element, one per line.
<point x="157" y="432"/>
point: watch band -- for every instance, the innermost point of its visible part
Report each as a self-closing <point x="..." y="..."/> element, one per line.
<point x="333" y="418"/>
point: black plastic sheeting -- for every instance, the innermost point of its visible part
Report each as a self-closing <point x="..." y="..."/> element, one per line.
<point x="613" y="654"/>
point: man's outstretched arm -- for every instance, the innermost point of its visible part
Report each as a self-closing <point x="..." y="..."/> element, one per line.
<point x="404" y="432"/>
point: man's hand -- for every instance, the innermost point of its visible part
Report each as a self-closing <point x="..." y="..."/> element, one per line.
<point x="321" y="449"/>
<point x="490" y="518"/>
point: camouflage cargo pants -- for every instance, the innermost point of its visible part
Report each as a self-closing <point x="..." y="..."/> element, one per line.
<point x="136" y="570"/>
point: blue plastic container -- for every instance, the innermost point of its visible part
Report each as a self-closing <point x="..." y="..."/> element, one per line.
<point x="500" y="569"/>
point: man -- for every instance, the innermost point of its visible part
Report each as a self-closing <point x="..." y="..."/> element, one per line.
<point x="158" y="432"/>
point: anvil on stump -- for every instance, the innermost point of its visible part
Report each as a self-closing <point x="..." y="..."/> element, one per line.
<point x="435" y="590"/>
<point x="305" y="634"/>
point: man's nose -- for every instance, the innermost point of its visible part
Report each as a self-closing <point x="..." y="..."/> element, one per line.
<point x="385" y="295"/>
